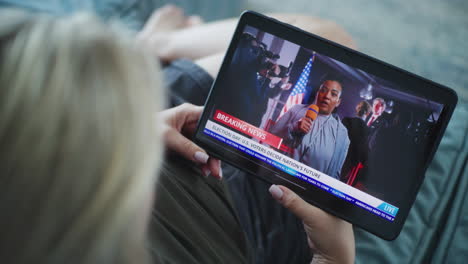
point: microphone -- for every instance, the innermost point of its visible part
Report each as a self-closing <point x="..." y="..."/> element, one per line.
<point x="311" y="113"/>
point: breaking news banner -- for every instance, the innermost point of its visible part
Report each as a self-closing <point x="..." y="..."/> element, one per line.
<point x="289" y="165"/>
<point x="248" y="129"/>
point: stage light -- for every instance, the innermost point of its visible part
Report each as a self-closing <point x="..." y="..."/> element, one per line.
<point x="433" y="117"/>
<point x="389" y="107"/>
<point x="367" y="93"/>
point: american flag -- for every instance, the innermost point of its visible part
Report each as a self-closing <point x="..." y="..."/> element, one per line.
<point x="299" y="90"/>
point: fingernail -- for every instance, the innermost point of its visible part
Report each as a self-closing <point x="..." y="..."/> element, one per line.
<point x="276" y="192"/>
<point x="201" y="157"/>
<point x="205" y="171"/>
<point x="220" y="171"/>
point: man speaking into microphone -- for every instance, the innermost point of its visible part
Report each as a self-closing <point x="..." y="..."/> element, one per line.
<point x="319" y="141"/>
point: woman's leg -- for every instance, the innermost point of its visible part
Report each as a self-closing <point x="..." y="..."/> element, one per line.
<point x="205" y="40"/>
<point x="193" y="220"/>
<point x="211" y="63"/>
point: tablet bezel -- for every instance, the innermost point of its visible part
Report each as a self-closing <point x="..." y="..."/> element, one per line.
<point x="408" y="82"/>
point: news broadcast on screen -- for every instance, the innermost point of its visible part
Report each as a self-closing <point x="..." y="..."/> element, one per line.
<point x="322" y="121"/>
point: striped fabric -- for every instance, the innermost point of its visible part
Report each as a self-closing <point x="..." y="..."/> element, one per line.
<point x="299" y="90"/>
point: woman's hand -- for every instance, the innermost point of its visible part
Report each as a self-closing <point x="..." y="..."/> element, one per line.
<point x="179" y="123"/>
<point x="330" y="238"/>
<point x="304" y="124"/>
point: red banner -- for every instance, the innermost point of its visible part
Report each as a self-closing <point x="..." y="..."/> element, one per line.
<point x="248" y="129"/>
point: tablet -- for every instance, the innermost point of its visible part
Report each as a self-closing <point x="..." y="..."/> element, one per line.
<point x="349" y="133"/>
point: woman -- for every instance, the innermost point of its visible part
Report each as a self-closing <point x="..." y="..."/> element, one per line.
<point x="80" y="145"/>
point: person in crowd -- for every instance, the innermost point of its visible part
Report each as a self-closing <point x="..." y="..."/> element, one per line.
<point x="376" y="122"/>
<point x="276" y="82"/>
<point x="245" y="96"/>
<point x="358" y="151"/>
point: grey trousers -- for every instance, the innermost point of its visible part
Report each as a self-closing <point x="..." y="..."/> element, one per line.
<point x="193" y="220"/>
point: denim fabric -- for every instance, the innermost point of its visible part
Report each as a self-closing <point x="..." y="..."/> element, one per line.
<point x="186" y="82"/>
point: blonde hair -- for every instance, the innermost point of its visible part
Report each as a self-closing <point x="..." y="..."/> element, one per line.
<point x="78" y="141"/>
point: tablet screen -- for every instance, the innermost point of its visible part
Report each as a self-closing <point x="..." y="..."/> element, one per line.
<point x="321" y="122"/>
